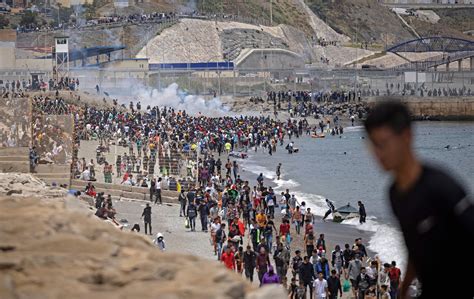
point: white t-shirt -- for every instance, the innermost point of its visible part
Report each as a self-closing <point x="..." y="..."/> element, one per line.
<point x="215" y="227"/>
<point x="320" y="288"/>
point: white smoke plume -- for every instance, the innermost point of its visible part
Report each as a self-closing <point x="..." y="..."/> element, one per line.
<point x="174" y="97"/>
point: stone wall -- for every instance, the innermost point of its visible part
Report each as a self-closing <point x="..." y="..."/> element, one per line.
<point x="443" y="108"/>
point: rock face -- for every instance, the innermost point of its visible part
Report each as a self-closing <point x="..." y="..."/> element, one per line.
<point x="56" y="248"/>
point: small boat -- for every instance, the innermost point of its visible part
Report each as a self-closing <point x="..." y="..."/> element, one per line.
<point x="345" y="212"/>
<point x="318" y="136"/>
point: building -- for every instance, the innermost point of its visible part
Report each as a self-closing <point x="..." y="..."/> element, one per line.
<point x="16" y="63"/>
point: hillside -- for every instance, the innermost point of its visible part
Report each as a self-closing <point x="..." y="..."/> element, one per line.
<point x="361" y="20"/>
<point x="452" y="22"/>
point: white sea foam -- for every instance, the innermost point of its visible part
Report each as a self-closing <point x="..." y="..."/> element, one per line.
<point x="353" y="129"/>
<point x="386" y="241"/>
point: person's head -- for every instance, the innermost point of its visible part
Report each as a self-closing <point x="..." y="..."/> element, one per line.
<point x="333" y="273"/>
<point x="394" y="264"/>
<point x="223" y="226"/>
<point x="320" y="275"/>
<point x="147" y="205"/>
<point x="359" y="202"/>
<point x="389" y="129"/>
<point x="362" y="270"/>
<point x="321" y="236"/>
<point x="357" y="256"/>
<point x="337" y="247"/>
<point x="306" y="259"/>
<point x="262" y="250"/>
<point x="249" y="248"/>
<point x="241" y="249"/>
<point x="228" y="249"/>
<point x="384" y="288"/>
<point x="346" y="246"/>
<point x="298" y="253"/>
<point x="386" y="267"/>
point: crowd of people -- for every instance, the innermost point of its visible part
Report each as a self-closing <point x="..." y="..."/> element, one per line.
<point x="24" y="85"/>
<point x="270" y="236"/>
<point x="253" y="229"/>
<point x="78" y="24"/>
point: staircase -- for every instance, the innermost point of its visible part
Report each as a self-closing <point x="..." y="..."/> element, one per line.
<point x="54" y="173"/>
<point x="123" y="191"/>
<point x="15" y="159"/>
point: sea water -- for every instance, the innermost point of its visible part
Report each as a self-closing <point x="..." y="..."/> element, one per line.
<point x="342" y="169"/>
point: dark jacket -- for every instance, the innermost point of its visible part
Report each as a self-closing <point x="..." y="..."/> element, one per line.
<point x="250" y="259"/>
<point x="147" y="214"/>
<point x="334" y="285"/>
<point x="306" y="272"/>
<point x="192" y="211"/>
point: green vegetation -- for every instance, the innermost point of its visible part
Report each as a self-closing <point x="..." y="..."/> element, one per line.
<point x="4" y="22"/>
<point x="29" y="19"/>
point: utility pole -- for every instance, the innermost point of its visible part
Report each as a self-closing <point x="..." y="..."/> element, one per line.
<point x="271" y="12"/>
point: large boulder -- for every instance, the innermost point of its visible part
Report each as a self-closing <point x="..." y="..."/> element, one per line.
<point x="56" y="248"/>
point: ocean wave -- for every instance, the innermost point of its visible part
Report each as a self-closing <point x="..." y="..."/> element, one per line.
<point x="386" y="241"/>
<point x="354" y="129"/>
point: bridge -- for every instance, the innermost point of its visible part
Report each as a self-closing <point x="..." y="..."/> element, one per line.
<point x="453" y="50"/>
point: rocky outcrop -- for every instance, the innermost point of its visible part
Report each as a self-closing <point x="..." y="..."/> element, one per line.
<point x="54" y="247"/>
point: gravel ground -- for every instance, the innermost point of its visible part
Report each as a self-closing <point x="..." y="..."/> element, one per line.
<point x="166" y="220"/>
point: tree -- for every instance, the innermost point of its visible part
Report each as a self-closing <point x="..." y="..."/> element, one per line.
<point x="4" y="22"/>
<point x="29" y="19"/>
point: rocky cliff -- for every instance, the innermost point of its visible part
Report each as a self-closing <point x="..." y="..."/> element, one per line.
<point x="52" y="246"/>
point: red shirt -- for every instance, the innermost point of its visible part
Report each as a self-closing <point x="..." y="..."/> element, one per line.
<point x="284" y="229"/>
<point x="228" y="260"/>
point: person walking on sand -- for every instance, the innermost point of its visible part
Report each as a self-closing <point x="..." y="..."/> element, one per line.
<point x="262" y="263"/>
<point x="353" y="271"/>
<point x="331" y="209"/>
<point x="228" y="259"/>
<point x="152" y="189"/>
<point x="320" y="287"/>
<point x="334" y="285"/>
<point x="158" y="192"/>
<point x="146" y="215"/>
<point x="182" y="201"/>
<point x="362" y="213"/>
<point x="430" y="205"/>
<point x="395" y="274"/>
<point x="250" y="258"/>
<point x="192" y="214"/>
<point x="307" y="275"/>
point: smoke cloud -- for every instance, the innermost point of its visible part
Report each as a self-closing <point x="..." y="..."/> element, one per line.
<point x="174" y="97"/>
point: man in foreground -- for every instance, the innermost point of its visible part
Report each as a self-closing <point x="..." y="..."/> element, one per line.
<point x="432" y="208"/>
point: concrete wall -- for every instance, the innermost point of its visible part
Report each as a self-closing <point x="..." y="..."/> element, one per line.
<point x="445" y="108"/>
<point x="269" y="59"/>
<point x="7" y="56"/>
